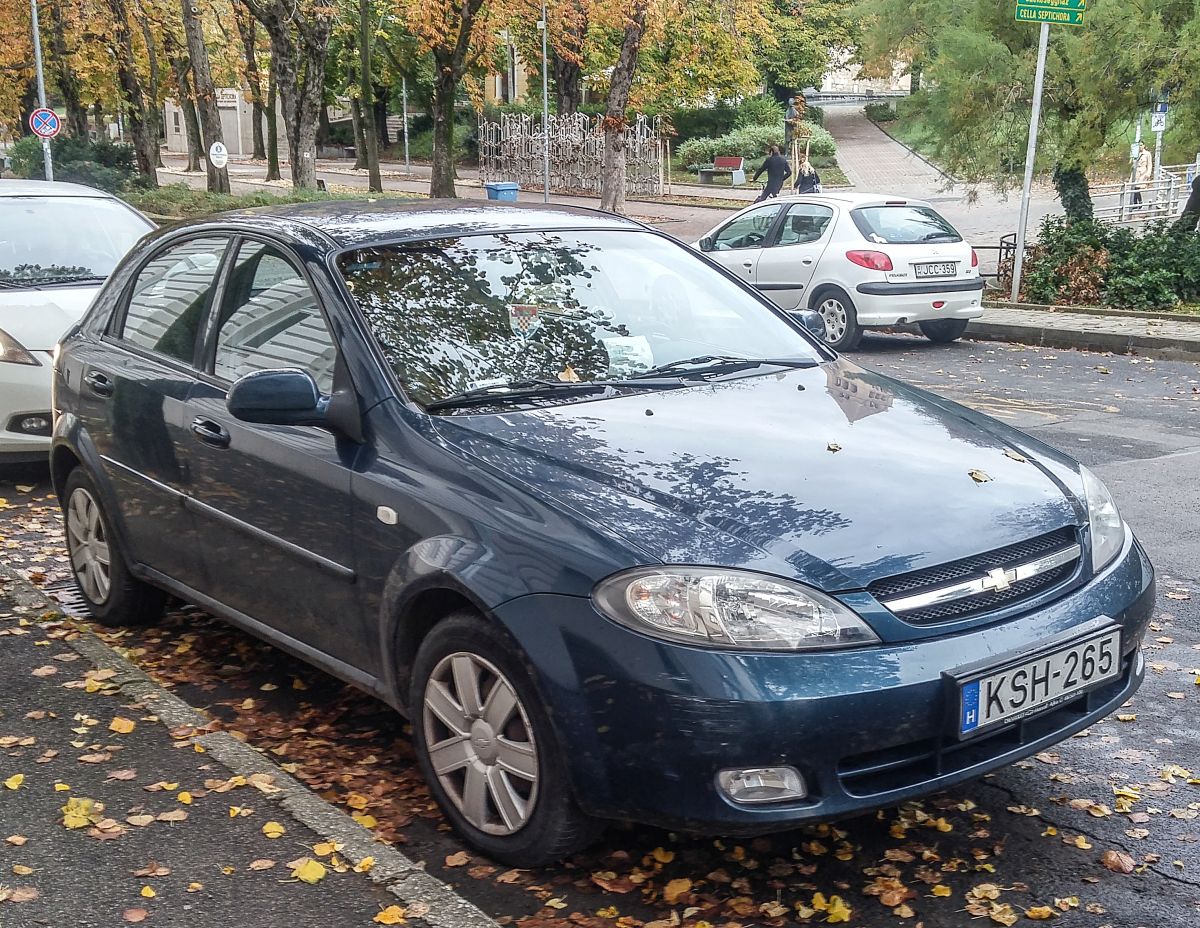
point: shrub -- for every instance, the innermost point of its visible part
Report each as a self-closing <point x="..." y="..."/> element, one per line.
<point x="99" y="163"/>
<point x="759" y="111"/>
<point x="880" y="112"/>
<point x="751" y="142"/>
<point x="708" y="122"/>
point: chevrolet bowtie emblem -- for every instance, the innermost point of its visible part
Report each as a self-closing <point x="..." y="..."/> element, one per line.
<point x="999" y="579"/>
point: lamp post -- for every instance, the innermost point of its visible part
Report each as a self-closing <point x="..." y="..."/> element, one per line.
<point x="47" y="159"/>
<point x="544" y="26"/>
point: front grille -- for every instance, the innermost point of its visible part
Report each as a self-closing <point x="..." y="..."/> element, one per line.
<point x="975" y="567"/>
<point x="906" y="765"/>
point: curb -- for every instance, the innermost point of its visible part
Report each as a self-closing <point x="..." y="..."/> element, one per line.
<point x="401" y="876"/>
<point x="1150" y="346"/>
<point x="1097" y="311"/>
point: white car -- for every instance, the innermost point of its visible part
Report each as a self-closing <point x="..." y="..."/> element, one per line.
<point x="58" y="244"/>
<point x="860" y="260"/>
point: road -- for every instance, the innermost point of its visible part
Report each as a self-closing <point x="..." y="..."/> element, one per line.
<point x="1031" y="835"/>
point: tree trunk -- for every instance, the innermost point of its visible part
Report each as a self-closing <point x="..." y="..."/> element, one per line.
<point x="98" y="116"/>
<point x="441" y="181"/>
<point x="153" y="111"/>
<point x="915" y="70"/>
<point x="382" y="137"/>
<point x="187" y="99"/>
<point x="366" y="95"/>
<point x="324" y="131"/>
<point x="612" y="170"/>
<point x="272" y="129"/>
<point x="248" y="30"/>
<point x="1071" y="183"/>
<point x="206" y="95"/>
<point x="360" y="144"/>
<point x="568" y="84"/>
<point x="141" y="118"/>
<point x="64" y="75"/>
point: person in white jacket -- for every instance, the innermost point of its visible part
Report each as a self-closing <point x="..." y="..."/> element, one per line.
<point x="1143" y="172"/>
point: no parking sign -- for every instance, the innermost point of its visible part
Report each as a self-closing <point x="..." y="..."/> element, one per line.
<point x="45" y="123"/>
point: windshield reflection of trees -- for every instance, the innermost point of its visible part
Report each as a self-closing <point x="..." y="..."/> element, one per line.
<point x="443" y="316"/>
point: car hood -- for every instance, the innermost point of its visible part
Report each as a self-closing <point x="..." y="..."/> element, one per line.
<point x="38" y="318"/>
<point x="832" y="475"/>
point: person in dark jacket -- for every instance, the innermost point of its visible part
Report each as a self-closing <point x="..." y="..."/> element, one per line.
<point x="1191" y="210"/>
<point x="808" y="180"/>
<point x="778" y="171"/>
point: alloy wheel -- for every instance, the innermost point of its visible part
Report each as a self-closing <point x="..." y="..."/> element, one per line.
<point x="87" y="543"/>
<point x="834" y="314"/>
<point x="480" y="743"/>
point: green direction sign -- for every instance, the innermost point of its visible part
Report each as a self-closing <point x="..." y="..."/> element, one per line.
<point x="1055" y="12"/>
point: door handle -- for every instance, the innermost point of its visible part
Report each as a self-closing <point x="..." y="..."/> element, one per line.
<point x="806" y="261"/>
<point x="747" y="264"/>
<point x="209" y="432"/>
<point x="99" y="383"/>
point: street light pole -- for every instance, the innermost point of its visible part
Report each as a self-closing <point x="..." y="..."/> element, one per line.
<point x="47" y="159"/>
<point x="545" y="27"/>
<point x="1030" y="151"/>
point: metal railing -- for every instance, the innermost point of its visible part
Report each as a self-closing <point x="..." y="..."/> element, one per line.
<point x="1130" y="203"/>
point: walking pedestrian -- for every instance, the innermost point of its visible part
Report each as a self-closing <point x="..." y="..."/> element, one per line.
<point x="1143" y="173"/>
<point x="808" y="180"/>
<point x="778" y="171"/>
<point x="1190" y="217"/>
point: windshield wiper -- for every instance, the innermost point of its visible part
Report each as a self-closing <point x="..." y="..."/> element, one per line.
<point x="72" y="279"/>
<point x="718" y="363"/>
<point x="941" y="236"/>
<point x="518" y="390"/>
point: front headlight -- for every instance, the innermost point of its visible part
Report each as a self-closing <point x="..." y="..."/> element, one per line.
<point x="13" y="351"/>
<point x="729" y="609"/>
<point x="1107" y="529"/>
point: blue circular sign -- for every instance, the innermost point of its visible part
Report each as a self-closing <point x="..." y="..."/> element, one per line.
<point x="45" y="123"/>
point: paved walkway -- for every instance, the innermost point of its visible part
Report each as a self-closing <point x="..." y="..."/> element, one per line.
<point x="1167" y="338"/>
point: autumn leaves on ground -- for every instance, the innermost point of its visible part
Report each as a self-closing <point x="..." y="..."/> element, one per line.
<point x="957" y="857"/>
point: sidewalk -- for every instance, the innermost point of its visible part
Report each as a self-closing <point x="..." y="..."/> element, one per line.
<point x="1175" y="338"/>
<point x="121" y="804"/>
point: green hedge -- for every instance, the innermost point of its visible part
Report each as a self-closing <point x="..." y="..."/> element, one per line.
<point x="1089" y="263"/>
<point x="750" y="142"/>
<point x="880" y="112"/>
<point x="101" y="164"/>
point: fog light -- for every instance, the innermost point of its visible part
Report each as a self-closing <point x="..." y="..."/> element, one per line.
<point x="762" y="784"/>
<point x="38" y="424"/>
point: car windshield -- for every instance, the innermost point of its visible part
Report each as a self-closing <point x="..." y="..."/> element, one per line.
<point x="903" y="225"/>
<point x="63" y="239"/>
<point x="481" y="311"/>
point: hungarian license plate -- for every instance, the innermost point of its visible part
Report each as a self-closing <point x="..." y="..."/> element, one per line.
<point x="940" y="269"/>
<point x="1040" y="683"/>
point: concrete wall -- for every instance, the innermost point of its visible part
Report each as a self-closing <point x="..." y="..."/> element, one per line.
<point x="237" y="124"/>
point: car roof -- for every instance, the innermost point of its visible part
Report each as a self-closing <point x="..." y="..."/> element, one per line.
<point x="362" y="223"/>
<point x="49" y="188"/>
<point x="854" y="200"/>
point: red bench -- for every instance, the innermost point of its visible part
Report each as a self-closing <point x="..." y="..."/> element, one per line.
<point x="725" y="165"/>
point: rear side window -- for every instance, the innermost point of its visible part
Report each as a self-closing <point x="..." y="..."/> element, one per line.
<point x="903" y="225"/>
<point x="805" y="223"/>
<point x="170" y="297"/>
<point x="270" y="320"/>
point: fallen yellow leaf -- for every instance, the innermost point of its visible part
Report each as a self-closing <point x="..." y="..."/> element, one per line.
<point x="122" y="726"/>
<point x="674" y="889"/>
<point x="15" y="781"/>
<point x="1039" y="913"/>
<point x="22" y="870"/>
<point x="61" y="788"/>
<point x="662" y="855"/>
<point x="273" y="830"/>
<point x="309" y="871"/>
<point x="195" y="887"/>
<point x="364" y="865"/>
<point x="185" y="797"/>
<point x="325" y="848"/>
<point x="78" y="811"/>
<point x="392" y="915"/>
<point x="365" y="819"/>
<point x="941" y="890"/>
<point x="357" y="801"/>
<point x="148" y="893"/>
<point x="837" y="911"/>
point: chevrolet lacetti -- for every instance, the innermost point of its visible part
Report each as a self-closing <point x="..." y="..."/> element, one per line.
<point x="623" y="539"/>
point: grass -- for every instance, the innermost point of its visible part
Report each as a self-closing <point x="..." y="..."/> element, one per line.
<point x="179" y="201"/>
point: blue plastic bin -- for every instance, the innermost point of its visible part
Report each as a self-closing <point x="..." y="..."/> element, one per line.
<point x="504" y="190"/>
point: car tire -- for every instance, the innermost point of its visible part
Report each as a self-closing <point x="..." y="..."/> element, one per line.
<point x="943" y="331"/>
<point x="524" y="819"/>
<point x="113" y="595"/>
<point x="842" y="331"/>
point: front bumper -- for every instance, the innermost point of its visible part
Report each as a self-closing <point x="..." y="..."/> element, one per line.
<point x="644" y="725"/>
<point x="24" y="390"/>
<point x="881" y="303"/>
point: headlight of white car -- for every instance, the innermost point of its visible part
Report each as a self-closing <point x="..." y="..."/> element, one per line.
<point x="712" y="607"/>
<point x="1107" y="529"/>
<point x="13" y="351"/>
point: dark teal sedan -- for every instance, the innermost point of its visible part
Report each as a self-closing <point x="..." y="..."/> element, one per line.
<point x="621" y="538"/>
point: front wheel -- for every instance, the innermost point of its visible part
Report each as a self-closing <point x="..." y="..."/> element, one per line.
<point x="943" y="331"/>
<point x="842" y="330"/>
<point x="487" y="749"/>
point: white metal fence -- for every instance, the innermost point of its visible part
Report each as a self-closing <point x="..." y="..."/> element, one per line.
<point x="1132" y="204"/>
<point x="512" y="150"/>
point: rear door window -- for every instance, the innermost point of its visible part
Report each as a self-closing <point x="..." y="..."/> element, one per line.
<point x="903" y="225"/>
<point x="170" y="298"/>
<point x="805" y="223"/>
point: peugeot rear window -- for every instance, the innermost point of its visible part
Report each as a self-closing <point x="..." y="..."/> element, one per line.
<point x="903" y="225"/>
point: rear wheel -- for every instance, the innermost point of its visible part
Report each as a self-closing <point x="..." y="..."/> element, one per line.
<point x="113" y="595"/>
<point x="943" y="331"/>
<point x="487" y="749"/>
<point x="842" y="330"/>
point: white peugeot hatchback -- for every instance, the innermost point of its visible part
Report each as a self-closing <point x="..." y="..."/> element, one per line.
<point x="860" y="260"/>
<point x="58" y="244"/>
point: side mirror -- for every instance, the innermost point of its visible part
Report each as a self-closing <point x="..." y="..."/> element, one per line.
<point x="277" y="397"/>
<point x="811" y="320"/>
<point x="706" y="243"/>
